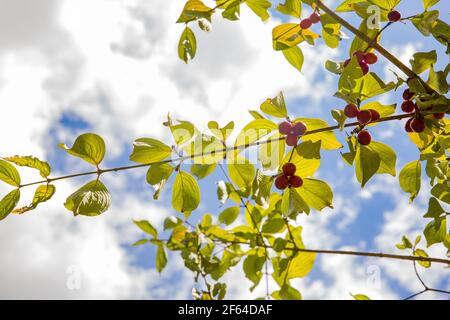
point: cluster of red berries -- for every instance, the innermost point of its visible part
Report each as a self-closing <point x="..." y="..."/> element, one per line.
<point x="292" y="131"/>
<point x="364" y="59"/>
<point x="416" y="123"/>
<point x="288" y="179"/>
<point x="308" y="22"/>
<point x="363" y="116"/>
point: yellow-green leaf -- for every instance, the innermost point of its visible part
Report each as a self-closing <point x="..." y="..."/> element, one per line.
<point x="148" y="150"/>
<point x="185" y="193"/>
<point x="8" y="203"/>
<point x="31" y="162"/>
<point x="89" y="146"/>
<point x="92" y="199"/>
<point x="9" y="174"/>
<point x="410" y="177"/>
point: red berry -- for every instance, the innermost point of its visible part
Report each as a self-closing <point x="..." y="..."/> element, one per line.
<point x="394" y="16"/>
<point x="417" y="125"/>
<point x="371" y="58"/>
<point x="360" y="56"/>
<point x="289" y="169"/>
<point x="346" y="62"/>
<point x="408" y="106"/>
<point x="351" y="110"/>
<point x="305" y="23"/>
<point x="281" y="182"/>
<point x="408" y="125"/>
<point x="375" y="115"/>
<point x="314" y="17"/>
<point x="408" y="95"/>
<point x="364" y="116"/>
<point x="285" y="127"/>
<point x="439" y="115"/>
<point x="364" y="67"/>
<point x="291" y="140"/>
<point x="298" y="128"/>
<point x="364" y="137"/>
<point x="295" y="181"/>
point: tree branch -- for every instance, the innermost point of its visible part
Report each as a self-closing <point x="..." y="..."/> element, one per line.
<point x="359" y="253"/>
<point x="202" y="154"/>
<point x="406" y="70"/>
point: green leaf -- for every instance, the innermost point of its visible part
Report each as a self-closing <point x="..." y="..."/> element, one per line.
<point x="442" y="192"/>
<point x="410" y="178"/>
<point x="360" y="297"/>
<point x="229" y="215"/>
<point x="157" y="176"/>
<point x="316" y="193"/>
<point x="383" y="110"/>
<point x="254" y="131"/>
<point x="89" y="146"/>
<point x="182" y="132"/>
<point x="291" y="7"/>
<point x="187" y="46"/>
<point x="148" y="150"/>
<point x="367" y="163"/>
<point x="253" y="264"/>
<point x="286" y="36"/>
<point x="300" y="265"/>
<point x="333" y="67"/>
<point x="429" y="3"/>
<point x="161" y="258"/>
<point x="92" y="199"/>
<point x="328" y="138"/>
<point x="405" y="244"/>
<point x="275" y="107"/>
<point x="387" y="156"/>
<point x="438" y="81"/>
<point x="434" y="209"/>
<point x="9" y="174"/>
<point x="242" y="173"/>
<point x="435" y="231"/>
<point x="271" y="153"/>
<point x="193" y="10"/>
<point x="259" y="7"/>
<point x="232" y="9"/>
<point x="202" y="170"/>
<point x="43" y="193"/>
<point x="331" y="30"/>
<point x="306" y="158"/>
<point x="147" y="227"/>
<point x="221" y="133"/>
<point x="424" y="22"/>
<point x="422" y="253"/>
<point x="295" y="57"/>
<point x="273" y="225"/>
<point x="422" y="61"/>
<point x="140" y="242"/>
<point x="287" y="293"/>
<point x="8" y="203"/>
<point x="185" y="193"/>
<point x="373" y="86"/>
<point x="292" y="203"/>
<point x="31" y="162"/>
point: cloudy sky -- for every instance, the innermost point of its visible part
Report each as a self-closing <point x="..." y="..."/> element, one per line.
<point x="110" y="67"/>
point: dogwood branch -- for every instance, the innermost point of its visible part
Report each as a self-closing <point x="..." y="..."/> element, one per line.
<point x="219" y="151"/>
<point x="374" y="44"/>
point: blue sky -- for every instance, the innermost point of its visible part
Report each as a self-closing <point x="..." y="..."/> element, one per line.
<point x="120" y="83"/>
